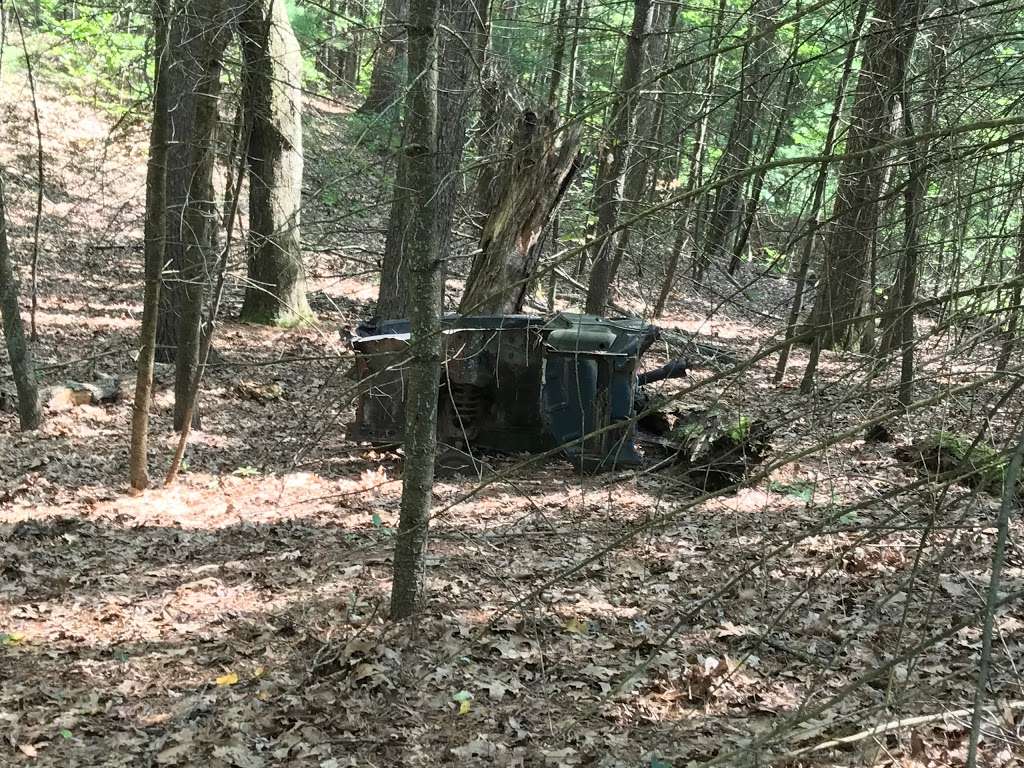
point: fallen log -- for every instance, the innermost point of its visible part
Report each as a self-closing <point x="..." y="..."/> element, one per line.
<point x="71" y="394"/>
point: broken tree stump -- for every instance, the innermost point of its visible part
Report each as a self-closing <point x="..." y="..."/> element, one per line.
<point x="535" y="176"/>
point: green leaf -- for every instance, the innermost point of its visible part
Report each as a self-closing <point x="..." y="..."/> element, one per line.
<point x="798" y="490"/>
<point x="65" y="733"/>
<point x="246" y="471"/>
<point x="464" y="698"/>
<point x="376" y="519"/>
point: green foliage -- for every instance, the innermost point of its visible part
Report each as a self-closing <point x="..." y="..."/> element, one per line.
<point x="798" y="489"/>
<point x="989" y="462"/>
<point x="376" y="133"/>
<point x="740" y="429"/>
<point x="100" y="57"/>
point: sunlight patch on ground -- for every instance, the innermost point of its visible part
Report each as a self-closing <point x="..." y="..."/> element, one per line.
<point x="103" y="323"/>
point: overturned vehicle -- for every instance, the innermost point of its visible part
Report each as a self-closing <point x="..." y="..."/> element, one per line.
<point x="525" y="383"/>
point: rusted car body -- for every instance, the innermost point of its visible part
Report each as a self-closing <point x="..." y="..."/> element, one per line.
<point x="515" y="383"/>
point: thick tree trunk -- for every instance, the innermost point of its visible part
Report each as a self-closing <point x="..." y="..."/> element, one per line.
<point x="611" y="178"/>
<point x="532" y="183"/>
<point x="276" y="294"/>
<point x="887" y="52"/>
<point x="390" y="63"/>
<point x="199" y="213"/>
<point x="29" y="411"/>
<point x="492" y="119"/>
<point x="155" y="233"/>
<point x="199" y="30"/>
<point x="425" y="314"/>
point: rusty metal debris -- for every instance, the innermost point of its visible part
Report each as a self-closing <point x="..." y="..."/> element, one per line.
<point x="525" y="383"/>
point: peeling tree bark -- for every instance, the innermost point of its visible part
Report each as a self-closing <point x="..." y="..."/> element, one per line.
<point x="541" y="166"/>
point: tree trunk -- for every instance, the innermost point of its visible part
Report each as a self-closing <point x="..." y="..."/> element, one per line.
<point x="29" y="410"/>
<point x="199" y="215"/>
<point x="276" y="294"/>
<point x="425" y="314"/>
<point x="695" y="175"/>
<point x="611" y="176"/>
<point x="493" y="111"/>
<point x="887" y="52"/>
<point x="155" y="233"/>
<point x="818" y="195"/>
<point x="462" y="47"/>
<point x="461" y="51"/>
<point x="390" y="63"/>
<point x="532" y="183"/>
<point x="729" y="206"/>
<point x="646" y="133"/>
<point x="757" y="186"/>
<point x="196" y="29"/>
<point x="894" y="322"/>
<point x="917" y="186"/>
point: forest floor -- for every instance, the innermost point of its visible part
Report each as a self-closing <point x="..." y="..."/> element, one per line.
<point x="236" y="618"/>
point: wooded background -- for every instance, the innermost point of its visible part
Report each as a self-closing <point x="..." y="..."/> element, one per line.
<point x="831" y="189"/>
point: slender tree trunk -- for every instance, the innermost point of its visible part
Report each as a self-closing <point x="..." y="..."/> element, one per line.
<point x="425" y="314"/>
<point x="757" y="185"/>
<point x="461" y="52"/>
<point x="1012" y="332"/>
<point x="917" y="186"/>
<point x="728" y="208"/>
<point x="572" y="71"/>
<point x="646" y="132"/>
<point x="886" y="55"/>
<point x="558" y="56"/>
<point x="390" y="63"/>
<point x="611" y="177"/>
<point x="34" y="271"/>
<point x="155" y="234"/>
<point x="696" y="169"/>
<point x="29" y="409"/>
<point x="818" y="195"/>
<point x="894" y="321"/>
<point x="276" y="294"/>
